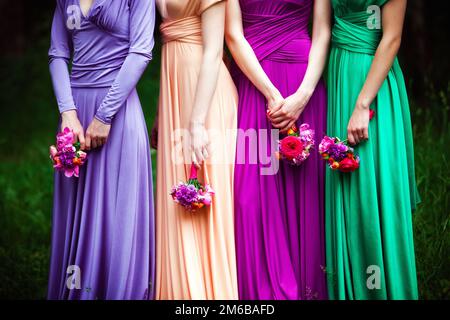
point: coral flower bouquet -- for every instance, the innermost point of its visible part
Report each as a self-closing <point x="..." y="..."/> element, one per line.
<point x="296" y="147"/>
<point x="192" y="195"/>
<point x="67" y="155"/>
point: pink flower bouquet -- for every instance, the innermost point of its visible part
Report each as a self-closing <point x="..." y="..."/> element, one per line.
<point x="192" y="195"/>
<point x="339" y="155"/>
<point x="296" y="147"/>
<point x="67" y="155"/>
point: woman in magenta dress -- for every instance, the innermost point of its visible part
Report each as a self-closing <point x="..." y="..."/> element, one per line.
<point x="102" y="237"/>
<point x="278" y="211"/>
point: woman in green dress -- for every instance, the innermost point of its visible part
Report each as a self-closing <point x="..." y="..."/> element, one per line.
<point x="370" y="248"/>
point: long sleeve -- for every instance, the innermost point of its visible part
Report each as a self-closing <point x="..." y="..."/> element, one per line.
<point x="142" y="24"/>
<point x="59" y="57"/>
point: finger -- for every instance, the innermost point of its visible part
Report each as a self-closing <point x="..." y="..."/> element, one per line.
<point x="82" y="140"/>
<point x="278" y="113"/>
<point x="356" y="136"/>
<point x="194" y="160"/>
<point x="274" y="108"/>
<point x="88" y="142"/>
<point x="205" y="153"/>
<point x="277" y="120"/>
<point x="366" y="133"/>
<point x="361" y="135"/>
<point x="350" y="138"/>
<point x="282" y="125"/>
<point x="94" y="143"/>
<point x="199" y="155"/>
<point x="289" y="126"/>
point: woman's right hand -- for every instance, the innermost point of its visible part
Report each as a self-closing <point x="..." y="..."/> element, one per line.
<point x="199" y="144"/>
<point x="274" y="102"/>
<point x="69" y="119"/>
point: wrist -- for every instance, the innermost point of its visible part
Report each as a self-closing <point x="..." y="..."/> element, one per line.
<point x="196" y="122"/>
<point x="69" y="114"/>
<point x="305" y="90"/>
<point x="362" y="104"/>
<point x="272" y="94"/>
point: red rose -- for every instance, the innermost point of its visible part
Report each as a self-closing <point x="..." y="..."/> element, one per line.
<point x="291" y="147"/>
<point x="348" y="165"/>
<point x="371" y="114"/>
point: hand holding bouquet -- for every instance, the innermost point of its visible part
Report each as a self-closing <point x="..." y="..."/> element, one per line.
<point x="192" y="195"/>
<point x="296" y="147"/>
<point x="339" y="154"/>
<point x="67" y="155"/>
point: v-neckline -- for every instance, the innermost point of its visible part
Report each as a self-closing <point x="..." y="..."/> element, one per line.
<point x="88" y="13"/>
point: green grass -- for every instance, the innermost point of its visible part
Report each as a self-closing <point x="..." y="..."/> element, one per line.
<point x="27" y="127"/>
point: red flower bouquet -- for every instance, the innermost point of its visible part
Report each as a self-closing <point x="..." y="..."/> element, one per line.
<point x="339" y="155"/>
<point x="296" y="147"/>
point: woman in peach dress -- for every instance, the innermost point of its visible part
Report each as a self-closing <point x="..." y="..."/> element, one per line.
<point x="196" y="124"/>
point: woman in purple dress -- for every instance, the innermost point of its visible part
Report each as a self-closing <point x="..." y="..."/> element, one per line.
<point x="278" y="211"/>
<point x="102" y="238"/>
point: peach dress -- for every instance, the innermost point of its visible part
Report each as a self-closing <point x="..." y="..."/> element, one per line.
<point x="195" y="251"/>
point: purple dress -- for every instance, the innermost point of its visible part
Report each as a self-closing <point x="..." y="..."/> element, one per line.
<point x="279" y="217"/>
<point x="103" y="222"/>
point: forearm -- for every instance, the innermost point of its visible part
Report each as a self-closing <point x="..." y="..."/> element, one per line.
<point x="206" y="85"/>
<point x="248" y="62"/>
<point x="317" y="59"/>
<point x="126" y="80"/>
<point x="59" y="73"/>
<point x="381" y="65"/>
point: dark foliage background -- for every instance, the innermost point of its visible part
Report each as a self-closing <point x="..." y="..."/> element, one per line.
<point x="28" y="118"/>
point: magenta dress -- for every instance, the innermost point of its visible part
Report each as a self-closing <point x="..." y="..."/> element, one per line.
<point x="103" y="222"/>
<point x="279" y="217"/>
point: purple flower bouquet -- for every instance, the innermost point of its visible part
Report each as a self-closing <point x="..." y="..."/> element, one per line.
<point x="192" y="195"/>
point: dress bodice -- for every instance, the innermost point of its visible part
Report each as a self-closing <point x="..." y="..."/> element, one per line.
<point x="99" y="41"/>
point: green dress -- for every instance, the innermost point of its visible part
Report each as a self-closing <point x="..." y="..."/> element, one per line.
<point x="369" y="234"/>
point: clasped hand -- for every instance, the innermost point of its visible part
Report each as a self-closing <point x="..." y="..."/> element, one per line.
<point x="96" y="134"/>
<point x="284" y="113"/>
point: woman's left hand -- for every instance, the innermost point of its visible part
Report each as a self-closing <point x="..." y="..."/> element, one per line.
<point x="292" y="108"/>
<point x="358" y="126"/>
<point x="97" y="134"/>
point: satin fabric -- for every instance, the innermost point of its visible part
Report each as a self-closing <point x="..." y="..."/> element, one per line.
<point x="368" y="212"/>
<point x="103" y="221"/>
<point x="279" y="216"/>
<point x="195" y="251"/>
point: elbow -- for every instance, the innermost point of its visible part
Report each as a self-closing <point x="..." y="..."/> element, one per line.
<point x="323" y="37"/>
<point x="393" y="43"/>
<point x="232" y="40"/>
<point x="213" y="56"/>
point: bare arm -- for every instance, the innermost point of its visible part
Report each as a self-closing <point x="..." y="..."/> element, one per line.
<point x="213" y="24"/>
<point x="285" y="117"/>
<point x="245" y="56"/>
<point x="393" y="14"/>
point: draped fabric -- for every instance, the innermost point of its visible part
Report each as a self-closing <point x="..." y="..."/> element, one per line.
<point x="368" y="213"/>
<point x="103" y="222"/>
<point x="195" y="252"/>
<point x="279" y="215"/>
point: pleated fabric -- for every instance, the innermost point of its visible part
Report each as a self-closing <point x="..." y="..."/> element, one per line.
<point x="101" y="220"/>
<point x="368" y="213"/>
<point x="279" y="211"/>
<point x="195" y="251"/>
